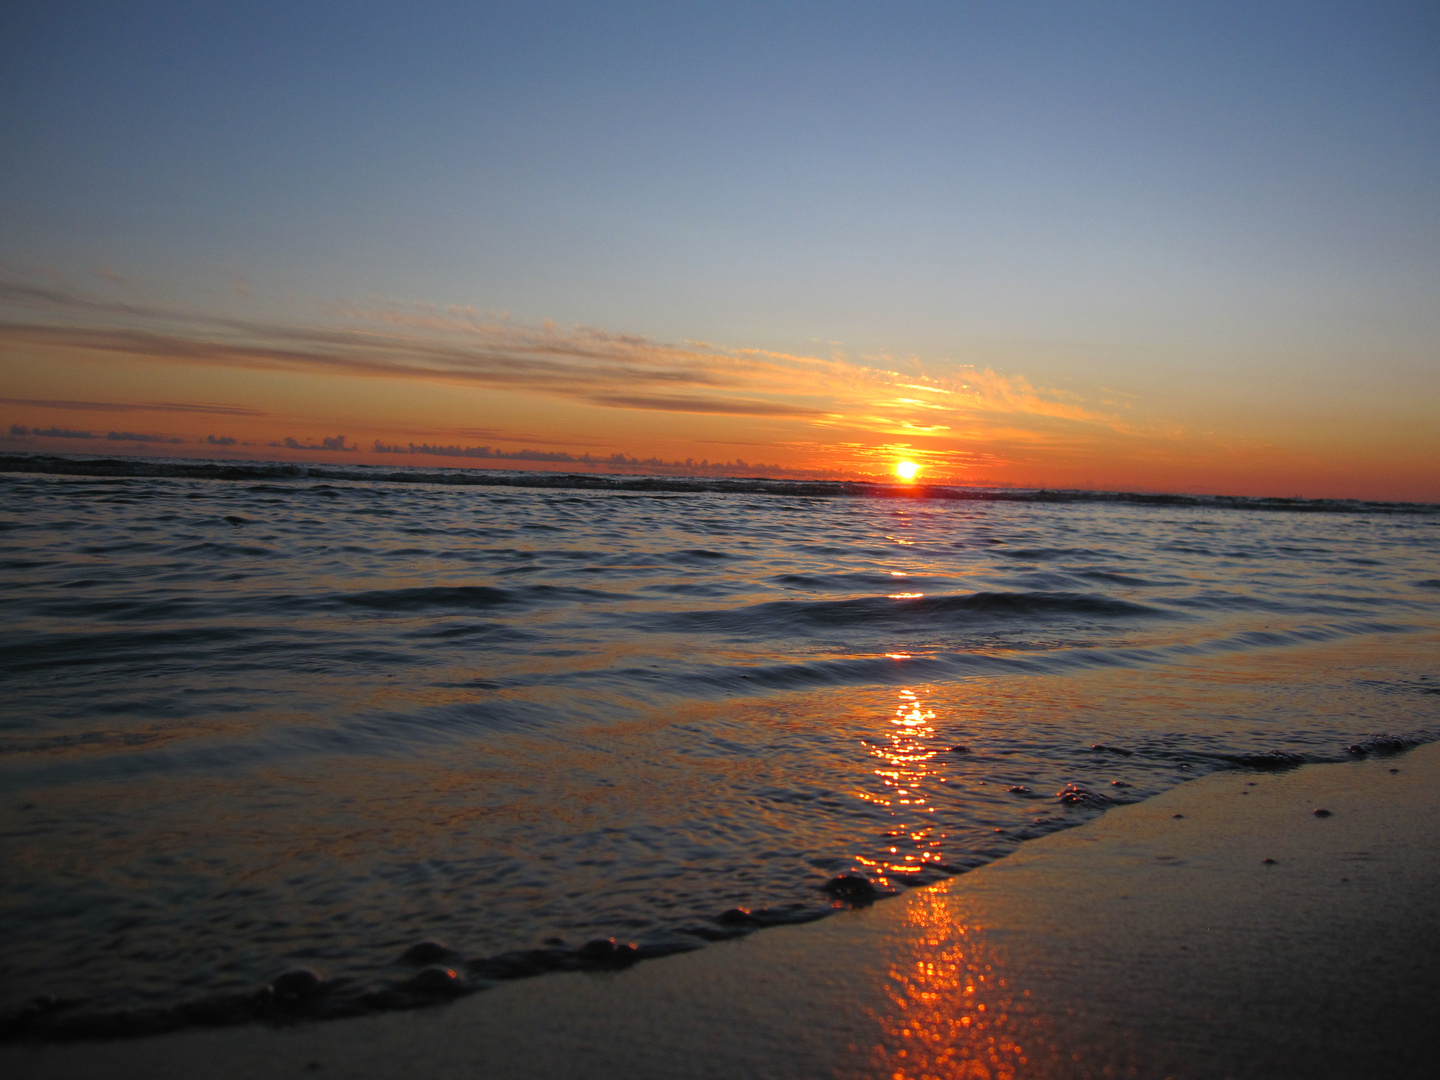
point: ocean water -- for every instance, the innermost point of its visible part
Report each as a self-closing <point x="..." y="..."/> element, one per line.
<point x="285" y="720"/>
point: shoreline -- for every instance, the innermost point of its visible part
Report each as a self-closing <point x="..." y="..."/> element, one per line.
<point x="1140" y="943"/>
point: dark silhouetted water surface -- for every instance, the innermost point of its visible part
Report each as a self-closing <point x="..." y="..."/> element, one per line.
<point x="252" y="725"/>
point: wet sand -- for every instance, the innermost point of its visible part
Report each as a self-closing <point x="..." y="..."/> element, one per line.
<point x="1157" y="941"/>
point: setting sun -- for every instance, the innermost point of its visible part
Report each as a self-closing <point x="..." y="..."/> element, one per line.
<point x="906" y="470"/>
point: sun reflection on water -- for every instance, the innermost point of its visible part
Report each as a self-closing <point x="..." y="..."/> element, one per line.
<point x="953" y="1014"/>
<point x="905" y="770"/>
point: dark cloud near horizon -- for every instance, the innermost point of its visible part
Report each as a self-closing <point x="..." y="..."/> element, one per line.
<point x="336" y="443"/>
<point x="618" y="460"/>
<point x="131" y="436"/>
<point x="483" y="453"/>
<point x="21" y="430"/>
<point x="50" y="432"/>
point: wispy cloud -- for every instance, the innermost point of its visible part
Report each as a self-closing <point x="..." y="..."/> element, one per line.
<point x="717" y="406"/>
<point x="461" y="346"/>
<point x="143" y="406"/>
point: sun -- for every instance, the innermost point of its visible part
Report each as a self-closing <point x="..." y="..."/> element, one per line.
<point x="907" y="470"/>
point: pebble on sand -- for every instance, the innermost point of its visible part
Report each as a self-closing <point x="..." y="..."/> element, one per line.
<point x="436" y="979"/>
<point x="607" y="952"/>
<point x="297" y="983"/>
<point x="736" y="916"/>
<point x="854" y="888"/>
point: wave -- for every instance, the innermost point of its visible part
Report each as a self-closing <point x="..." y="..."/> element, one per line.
<point x="885" y="612"/>
<point x="859" y="581"/>
<point x="437" y="599"/>
<point x="428" y="600"/>
<point x="269" y="472"/>
<point x="717" y="680"/>
<point x="1047" y="554"/>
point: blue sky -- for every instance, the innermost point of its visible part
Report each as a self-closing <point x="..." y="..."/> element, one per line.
<point x="1223" y="215"/>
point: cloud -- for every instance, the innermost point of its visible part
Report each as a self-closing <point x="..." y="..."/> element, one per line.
<point x="459" y="346"/>
<point x="336" y="443"/>
<point x="120" y="406"/>
<point x="29" y="294"/>
<point x="52" y="432"/>
<point x="717" y="406"/>
<point x="220" y="440"/>
<point x="130" y="436"/>
<point x="483" y="453"/>
<point x="20" y="430"/>
<point x="620" y="461"/>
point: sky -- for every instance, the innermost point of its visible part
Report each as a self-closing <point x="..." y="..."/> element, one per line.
<point x="1139" y="246"/>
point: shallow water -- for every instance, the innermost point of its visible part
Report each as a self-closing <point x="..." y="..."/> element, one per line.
<point x="254" y="724"/>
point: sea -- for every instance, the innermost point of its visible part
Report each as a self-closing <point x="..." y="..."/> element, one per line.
<point x="281" y="741"/>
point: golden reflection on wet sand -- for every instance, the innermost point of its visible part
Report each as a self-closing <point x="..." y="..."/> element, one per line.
<point x="953" y="1013"/>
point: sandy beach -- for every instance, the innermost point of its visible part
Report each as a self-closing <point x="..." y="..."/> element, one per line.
<point x="1223" y="929"/>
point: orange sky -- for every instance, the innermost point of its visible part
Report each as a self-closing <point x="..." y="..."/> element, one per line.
<point x="464" y="389"/>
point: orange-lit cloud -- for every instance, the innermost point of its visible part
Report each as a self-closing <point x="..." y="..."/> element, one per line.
<point x="461" y="346"/>
<point x="584" y="364"/>
<point x="416" y="375"/>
